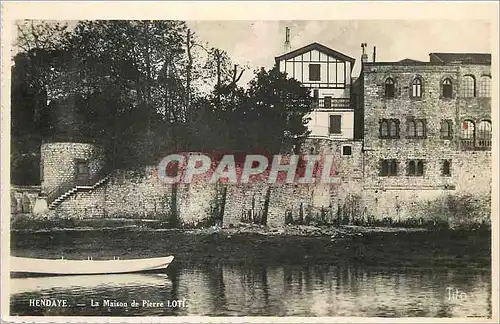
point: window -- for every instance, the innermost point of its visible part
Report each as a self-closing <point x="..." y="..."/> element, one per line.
<point x="335" y="124"/>
<point x="314" y="72"/>
<point x="467" y="131"/>
<point x="446" y="129"/>
<point x="485" y="86"/>
<point x="469" y="86"/>
<point x="446" y="168"/>
<point x="415" y="168"/>
<point x="384" y="128"/>
<point x="420" y="128"/>
<point x="389" y="88"/>
<point x="411" y="170"/>
<point x="416" y="88"/>
<point x="393" y="129"/>
<point x="346" y="150"/>
<point x="484" y="134"/>
<point x="420" y="168"/>
<point x="328" y="102"/>
<point x="484" y="130"/>
<point x="316" y="94"/>
<point x="416" y="128"/>
<point x="447" y="88"/>
<point x="388" y="167"/>
<point x="389" y="128"/>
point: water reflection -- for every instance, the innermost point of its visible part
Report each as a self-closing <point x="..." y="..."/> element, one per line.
<point x="229" y="290"/>
<point x="86" y="282"/>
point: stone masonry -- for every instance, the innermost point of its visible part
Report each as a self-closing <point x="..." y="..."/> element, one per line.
<point x="363" y="190"/>
<point x="404" y="195"/>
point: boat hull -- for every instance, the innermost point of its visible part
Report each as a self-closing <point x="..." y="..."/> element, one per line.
<point x="21" y="265"/>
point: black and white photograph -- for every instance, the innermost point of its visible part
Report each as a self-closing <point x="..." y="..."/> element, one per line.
<point x="246" y="167"/>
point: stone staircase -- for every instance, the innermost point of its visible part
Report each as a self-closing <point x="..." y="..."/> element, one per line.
<point x="65" y="191"/>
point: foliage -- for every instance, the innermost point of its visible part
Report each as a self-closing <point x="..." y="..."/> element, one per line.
<point x="136" y="88"/>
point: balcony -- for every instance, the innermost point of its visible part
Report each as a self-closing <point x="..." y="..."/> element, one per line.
<point x="331" y="103"/>
<point x="475" y="144"/>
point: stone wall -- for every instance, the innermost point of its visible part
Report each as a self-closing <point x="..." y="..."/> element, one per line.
<point x="23" y="199"/>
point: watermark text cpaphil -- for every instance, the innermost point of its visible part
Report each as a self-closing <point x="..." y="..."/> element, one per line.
<point x="188" y="167"/>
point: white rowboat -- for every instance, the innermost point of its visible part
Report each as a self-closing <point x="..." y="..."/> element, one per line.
<point x="86" y="267"/>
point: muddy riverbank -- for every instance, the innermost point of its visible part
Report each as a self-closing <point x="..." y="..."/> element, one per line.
<point x="294" y="244"/>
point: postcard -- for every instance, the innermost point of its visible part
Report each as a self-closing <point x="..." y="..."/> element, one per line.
<point x="249" y="162"/>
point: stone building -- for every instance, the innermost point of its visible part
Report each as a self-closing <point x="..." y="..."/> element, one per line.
<point x="426" y="134"/>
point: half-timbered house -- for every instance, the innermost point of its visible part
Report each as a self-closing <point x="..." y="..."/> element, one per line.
<point x="328" y="74"/>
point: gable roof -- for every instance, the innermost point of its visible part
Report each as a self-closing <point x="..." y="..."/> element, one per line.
<point x="315" y="46"/>
<point x="407" y="60"/>
<point x="466" y="58"/>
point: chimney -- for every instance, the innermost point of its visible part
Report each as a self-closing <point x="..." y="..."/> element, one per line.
<point x="287" y="39"/>
<point x="374" y="54"/>
<point x="364" y="56"/>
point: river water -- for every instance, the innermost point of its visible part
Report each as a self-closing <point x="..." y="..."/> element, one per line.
<point x="190" y="288"/>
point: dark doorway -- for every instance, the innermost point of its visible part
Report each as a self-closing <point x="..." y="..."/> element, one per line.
<point x="82" y="172"/>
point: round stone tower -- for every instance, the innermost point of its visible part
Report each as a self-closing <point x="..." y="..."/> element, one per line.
<point x="63" y="163"/>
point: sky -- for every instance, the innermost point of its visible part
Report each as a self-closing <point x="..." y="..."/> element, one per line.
<point x="257" y="43"/>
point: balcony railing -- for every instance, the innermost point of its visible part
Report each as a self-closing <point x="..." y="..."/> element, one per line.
<point x="331" y="103"/>
<point x="475" y="144"/>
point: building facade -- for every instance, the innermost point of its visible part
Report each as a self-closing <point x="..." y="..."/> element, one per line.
<point x="427" y="135"/>
<point x="328" y="74"/>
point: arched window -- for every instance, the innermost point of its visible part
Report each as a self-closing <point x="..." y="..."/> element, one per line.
<point x="484" y="130"/>
<point x="410" y="128"/>
<point x="446" y="168"/>
<point x="416" y="88"/>
<point x="446" y="129"/>
<point x="420" y="128"/>
<point x="420" y="168"/>
<point x="389" y="88"/>
<point x="484" y="134"/>
<point x="393" y="129"/>
<point x="384" y="128"/>
<point x="447" y="88"/>
<point x="485" y="86"/>
<point x="469" y="86"/>
<point x="467" y="130"/>
<point x="411" y="168"/>
<point x="388" y="167"/>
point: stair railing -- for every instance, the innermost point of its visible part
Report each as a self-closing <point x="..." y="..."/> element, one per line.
<point x="73" y="183"/>
<point x="60" y="190"/>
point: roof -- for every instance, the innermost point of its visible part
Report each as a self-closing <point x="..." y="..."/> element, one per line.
<point x="407" y="60"/>
<point x="465" y="58"/>
<point x="315" y="46"/>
